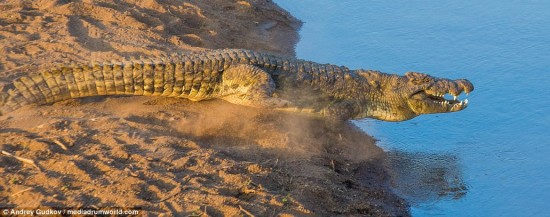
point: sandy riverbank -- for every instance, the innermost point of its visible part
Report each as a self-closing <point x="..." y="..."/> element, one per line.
<point x="172" y="156"/>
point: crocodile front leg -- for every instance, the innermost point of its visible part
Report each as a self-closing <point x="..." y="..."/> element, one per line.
<point x="250" y="86"/>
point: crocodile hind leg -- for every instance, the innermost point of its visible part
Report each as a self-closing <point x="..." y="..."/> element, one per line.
<point x="250" y="86"/>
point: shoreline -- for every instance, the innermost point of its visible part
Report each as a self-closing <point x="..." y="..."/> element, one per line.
<point x="172" y="156"/>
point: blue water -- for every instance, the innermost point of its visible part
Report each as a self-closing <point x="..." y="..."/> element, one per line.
<point x="492" y="159"/>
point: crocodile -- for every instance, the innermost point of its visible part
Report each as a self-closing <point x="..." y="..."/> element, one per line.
<point x="248" y="78"/>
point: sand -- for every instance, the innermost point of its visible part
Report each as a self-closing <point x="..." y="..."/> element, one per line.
<point x="168" y="156"/>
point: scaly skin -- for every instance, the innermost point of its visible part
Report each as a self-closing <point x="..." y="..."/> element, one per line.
<point x="248" y="78"/>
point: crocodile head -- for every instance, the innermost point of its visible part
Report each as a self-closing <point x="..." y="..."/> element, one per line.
<point x="399" y="98"/>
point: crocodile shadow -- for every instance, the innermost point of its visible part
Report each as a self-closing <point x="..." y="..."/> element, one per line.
<point x="425" y="177"/>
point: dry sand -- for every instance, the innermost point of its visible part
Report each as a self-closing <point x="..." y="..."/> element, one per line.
<point x="172" y="156"/>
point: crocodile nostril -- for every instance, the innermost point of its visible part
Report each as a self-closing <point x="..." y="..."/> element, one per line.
<point x="466" y="85"/>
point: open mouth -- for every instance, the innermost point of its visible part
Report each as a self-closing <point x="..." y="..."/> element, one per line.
<point x="446" y="101"/>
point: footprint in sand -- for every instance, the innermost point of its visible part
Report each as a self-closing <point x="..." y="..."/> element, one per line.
<point x="88" y="34"/>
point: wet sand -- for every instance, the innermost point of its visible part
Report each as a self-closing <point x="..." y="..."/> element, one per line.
<point x="172" y="156"/>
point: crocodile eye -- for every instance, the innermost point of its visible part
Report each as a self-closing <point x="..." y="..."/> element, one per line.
<point x="417" y="78"/>
<point x="416" y="81"/>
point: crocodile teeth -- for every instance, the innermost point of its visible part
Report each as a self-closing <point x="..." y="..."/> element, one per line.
<point x="465" y="102"/>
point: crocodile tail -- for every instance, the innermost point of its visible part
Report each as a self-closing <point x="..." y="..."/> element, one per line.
<point x="3" y="98"/>
<point x="63" y="83"/>
<point x="77" y="81"/>
<point x="7" y="101"/>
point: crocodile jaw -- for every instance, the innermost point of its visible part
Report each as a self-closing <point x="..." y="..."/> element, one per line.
<point x="425" y="103"/>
